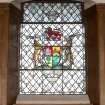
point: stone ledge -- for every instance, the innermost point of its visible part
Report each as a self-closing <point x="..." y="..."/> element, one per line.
<point x="53" y="99"/>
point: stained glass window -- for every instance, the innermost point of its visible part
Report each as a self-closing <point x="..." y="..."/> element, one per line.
<point x="52" y="52"/>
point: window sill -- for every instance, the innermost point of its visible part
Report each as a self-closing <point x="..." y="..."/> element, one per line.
<point x="52" y="99"/>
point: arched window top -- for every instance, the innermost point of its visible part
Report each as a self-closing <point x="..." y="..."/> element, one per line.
<point x="52" y="53"/>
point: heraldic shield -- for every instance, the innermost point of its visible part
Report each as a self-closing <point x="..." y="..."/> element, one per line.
<point x="53" y="56"/>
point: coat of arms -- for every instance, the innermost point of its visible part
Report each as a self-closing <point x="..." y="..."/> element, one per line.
<point x="52" y="50"/>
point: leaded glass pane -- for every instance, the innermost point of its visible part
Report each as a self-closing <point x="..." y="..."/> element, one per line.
<point x="52" y="51"/>
<point x="66" y="82"/>
<point x="49" y="12"/>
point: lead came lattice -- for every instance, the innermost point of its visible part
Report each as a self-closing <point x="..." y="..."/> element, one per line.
<point x="52" y="53"/>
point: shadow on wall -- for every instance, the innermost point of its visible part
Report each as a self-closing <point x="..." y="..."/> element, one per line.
<point x="87" y="3"/>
